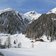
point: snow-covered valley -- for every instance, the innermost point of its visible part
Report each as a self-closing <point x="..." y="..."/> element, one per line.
<point x="35" y="41"/>
<point x="41" y="50"/>
<point x="26" y="49"/>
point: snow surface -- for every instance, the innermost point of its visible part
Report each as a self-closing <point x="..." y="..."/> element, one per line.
<point x="7" y="9"/>
<point x="19" y="38"/>
<point x="25" y="42"/>
<point x="32" y="15"/>
<point x="42" y="49"/>
<point x="52" y="11"/>
<point x="39" y="49"/>
<point x="44" y="37"/>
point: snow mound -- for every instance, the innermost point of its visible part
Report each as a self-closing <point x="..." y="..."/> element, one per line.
<point x="44" y="37"/>
<point x="21" y="38"/>
<point x="18" y="38"/>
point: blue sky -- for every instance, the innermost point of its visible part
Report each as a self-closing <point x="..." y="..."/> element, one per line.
<point x="41" y="6"/>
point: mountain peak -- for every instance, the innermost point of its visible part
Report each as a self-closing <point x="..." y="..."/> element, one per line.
<point x="7" y="9"/>
<point x="33" y="15"/>
<point x="32" y="12"/>
<point x="52" y="11"/>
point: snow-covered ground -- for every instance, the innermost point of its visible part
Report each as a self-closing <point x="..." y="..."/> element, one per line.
<point x="18" y="38"/>
<point x="43" y="49"/>
<point x="40" y="48"/>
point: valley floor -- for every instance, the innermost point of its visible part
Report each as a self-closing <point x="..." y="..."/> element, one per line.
<point x="44" y="50"/>
<point x="40" y="48"/>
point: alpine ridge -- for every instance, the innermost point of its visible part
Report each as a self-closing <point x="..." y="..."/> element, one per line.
<point x="11" y="21"/>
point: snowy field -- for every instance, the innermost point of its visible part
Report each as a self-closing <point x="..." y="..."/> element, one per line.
<point x="39" y="51"/>
<point x="40" y="48"/>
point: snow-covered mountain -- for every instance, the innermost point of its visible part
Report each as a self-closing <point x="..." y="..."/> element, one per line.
<point x="11" y="21"/>
<point x="52" y="11"/>
<point x="43" y="28"/>
<point x="32" y="15"/>
<point x="45" y="24"/>
<point x="5" y="10"/>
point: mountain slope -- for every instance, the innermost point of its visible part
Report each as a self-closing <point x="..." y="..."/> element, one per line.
<point x="32" y="15"/>
<point x="11" y="21"/>
<point x="44" y="25"/>
<point x="52" y="11"/>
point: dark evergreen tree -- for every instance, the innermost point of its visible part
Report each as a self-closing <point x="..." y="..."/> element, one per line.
<point x="14" y="42"/>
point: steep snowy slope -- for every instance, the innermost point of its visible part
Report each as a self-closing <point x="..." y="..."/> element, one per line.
<point x="52" y="11"/>
<point x="5" y="10"/>
<point x="32" y="15"/>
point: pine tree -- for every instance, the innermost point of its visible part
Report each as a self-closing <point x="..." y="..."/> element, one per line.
<point x="0" y="42"/>
<point x="14" y="42"/>
<point x="8" y="43"/>
<point x="19" y="45"/>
